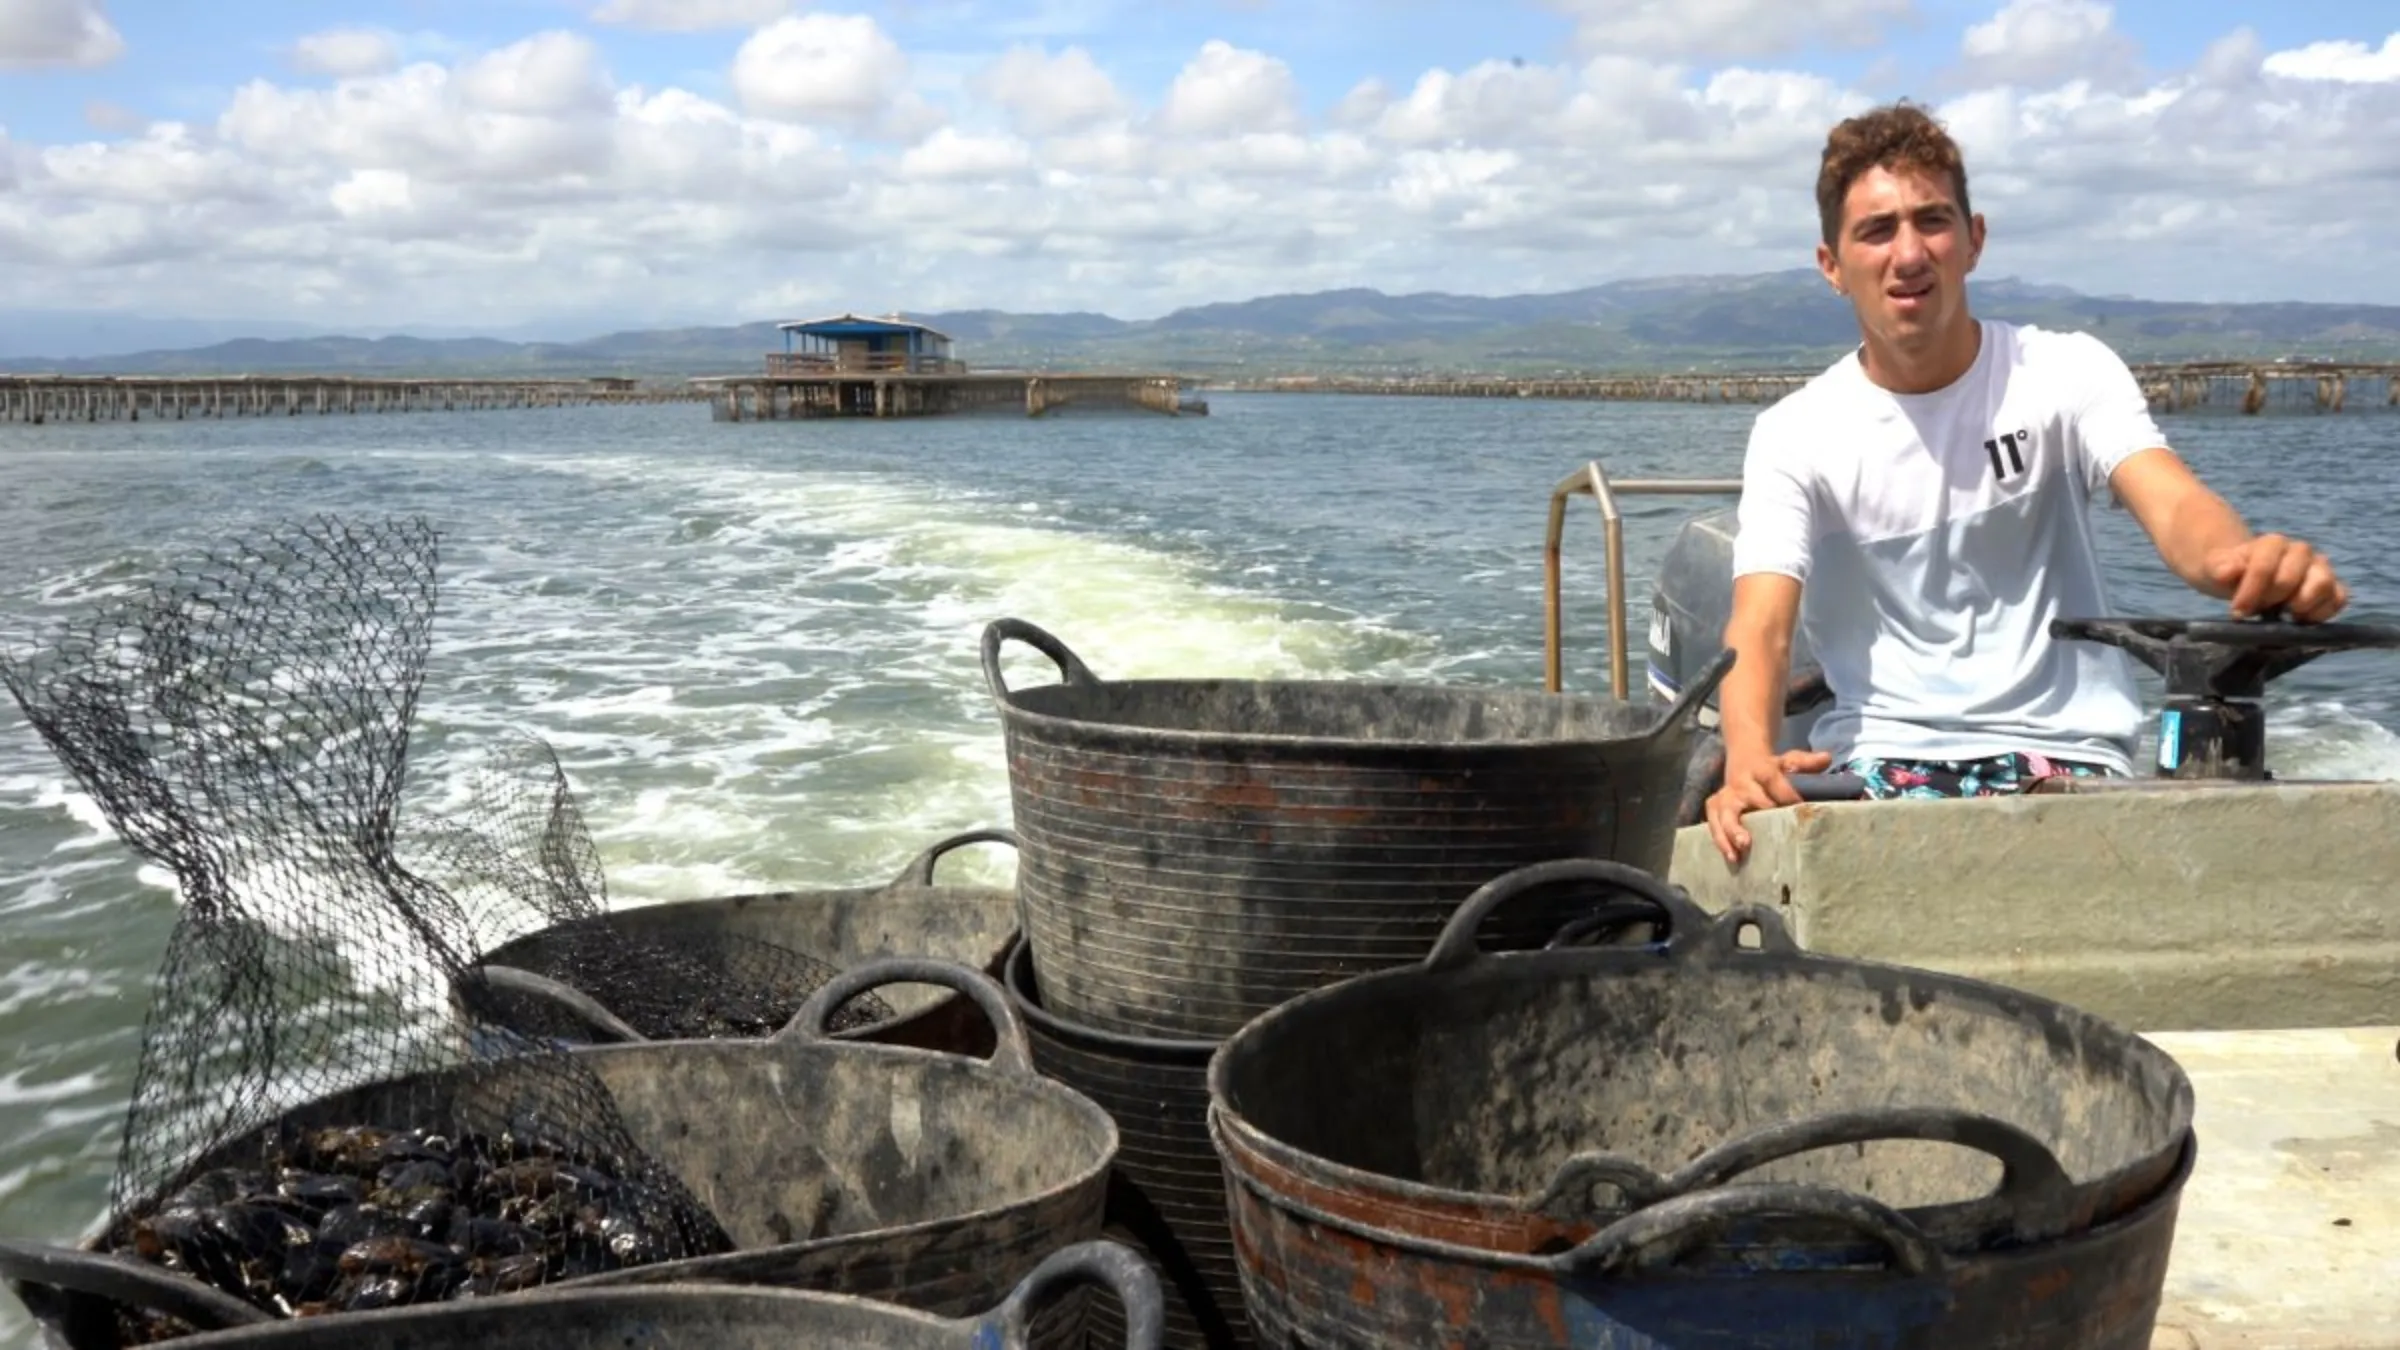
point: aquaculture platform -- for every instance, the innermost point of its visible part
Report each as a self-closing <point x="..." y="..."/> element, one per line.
<point x="1750" y="387"/>
<point x="778" y="397"/>
<point x="129" y="398"/>
<point x="2254" y="386"/>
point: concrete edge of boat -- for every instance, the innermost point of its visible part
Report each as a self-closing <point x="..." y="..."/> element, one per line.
<point x="2240" y="907"/>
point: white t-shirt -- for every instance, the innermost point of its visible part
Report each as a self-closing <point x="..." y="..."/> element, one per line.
<point x="1937" y="535"/>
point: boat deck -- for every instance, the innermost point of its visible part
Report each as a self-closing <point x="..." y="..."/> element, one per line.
<point x="2289" y="1233"/>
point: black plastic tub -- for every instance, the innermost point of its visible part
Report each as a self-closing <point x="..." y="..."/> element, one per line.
<point x="1167" y="1192"/>
<point x="928" y="1179"/>
<point x="1193" y="852"/>
<point x="1924" y="1159"/>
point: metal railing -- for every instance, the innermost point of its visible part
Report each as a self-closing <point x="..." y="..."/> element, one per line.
<point x="882" y="363"/>
<point x="1593" y="479"/>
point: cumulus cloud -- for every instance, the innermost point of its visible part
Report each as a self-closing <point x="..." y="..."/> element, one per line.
<point x="954" y="155"/>
<point x="373" y="192"/>
<point x="57" y="33"/>
<point x="346" y="52"/>
<point x="1363" y="104"/>
<point x="549" y="74"/>
<point x="1045" y="94"/>
<point x="2231" y="60"/>
<point x="2042" y="42"/>
<point x="1728" y="28"/>
<point x="1496" y="99"/>
<point x="1230" y="89"/>
<point x="533" y="113"/>
<point x="838" y="70"/>
<point x="691" y="16"/>
<point x="532" y="180"/>
<point x="2344" y="62"/>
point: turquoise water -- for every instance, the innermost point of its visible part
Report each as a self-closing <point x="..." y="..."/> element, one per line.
<point x="755" y="646"/>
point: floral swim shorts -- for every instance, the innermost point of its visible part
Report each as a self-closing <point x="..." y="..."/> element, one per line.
<point x="1997" y="776"/>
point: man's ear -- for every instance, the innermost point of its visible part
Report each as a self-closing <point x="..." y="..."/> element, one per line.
<point x="1831" y="266"/>
<point x="1974" y="240"/>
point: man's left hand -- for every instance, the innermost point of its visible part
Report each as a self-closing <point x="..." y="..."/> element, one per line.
<point x="2274" y="571"/>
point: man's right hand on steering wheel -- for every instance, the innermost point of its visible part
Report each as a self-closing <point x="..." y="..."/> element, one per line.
<point x="1756" y="783"/>
<point x="2273" y="571"/>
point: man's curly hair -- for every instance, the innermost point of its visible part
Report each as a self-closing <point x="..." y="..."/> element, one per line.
<point x="1900" y="135"/>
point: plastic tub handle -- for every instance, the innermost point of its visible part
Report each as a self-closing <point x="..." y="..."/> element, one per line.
<point x="2034" y="1187"/>
<point x="1724" y="937"/>
<point x="919" y="871"/>
<point x="1111" y="1265"/>
<point x="1655" y="1235"/>
<point x="1071" y="668"/>
<point x="1695" y="693"/>
<point x="1011" y="1052"/>
<point x="128" y="1282"/>
<point x="606" y="1025"/>
<point x="1456" y="947"/>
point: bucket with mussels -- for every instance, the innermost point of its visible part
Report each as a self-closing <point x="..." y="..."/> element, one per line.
<point x="929" y="1180"/>
<point x="321" y="1124"/>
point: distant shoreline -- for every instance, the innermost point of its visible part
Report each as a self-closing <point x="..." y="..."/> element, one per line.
<point x="1775" y="323"/>
<point x="1328" y="378"/>
<point x="2249" y="387"/>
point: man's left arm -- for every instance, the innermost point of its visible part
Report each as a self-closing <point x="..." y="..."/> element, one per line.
<point x="2197" y="533"/>
<point x="2203" y="540"/>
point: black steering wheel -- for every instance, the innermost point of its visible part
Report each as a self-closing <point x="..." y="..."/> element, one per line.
<point x="2213" y="725"/>
<point x="2226" y="658"/>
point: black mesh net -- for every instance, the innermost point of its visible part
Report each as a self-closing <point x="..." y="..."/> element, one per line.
<point x="516" y="857"/>
<point x="510" y="850"/>
<point x="513" y="853"/>
<point x="319" y="1123"/>
<point x="701" y="986"/>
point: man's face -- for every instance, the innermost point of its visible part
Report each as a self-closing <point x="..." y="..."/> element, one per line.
<point x="1902" y="256"/>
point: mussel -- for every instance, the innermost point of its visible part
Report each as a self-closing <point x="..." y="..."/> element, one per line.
<point x="354" y="1217"/>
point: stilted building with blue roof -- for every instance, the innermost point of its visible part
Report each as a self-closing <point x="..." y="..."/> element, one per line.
<point x="854" y="366"/>
<point x="849" y="344"/>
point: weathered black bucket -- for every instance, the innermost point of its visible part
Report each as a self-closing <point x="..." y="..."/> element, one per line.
<point x="1317" y="1281"/>
<point x="1194" y="852"/>
<point x="695" y="1315"/>
<point x="910" y="915"/>
<point x="932" y="1180"/>
<point x="1168" y="1192"/>
<point x="1510" y="1125"/>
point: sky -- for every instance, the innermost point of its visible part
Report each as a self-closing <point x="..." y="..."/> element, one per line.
<point x="587" y="165"/>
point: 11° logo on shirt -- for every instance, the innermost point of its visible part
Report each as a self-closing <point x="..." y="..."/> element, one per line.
<point x="2013" y="445"/>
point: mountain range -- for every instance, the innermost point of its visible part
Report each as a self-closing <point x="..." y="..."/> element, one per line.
<point x="1763" y="321"/>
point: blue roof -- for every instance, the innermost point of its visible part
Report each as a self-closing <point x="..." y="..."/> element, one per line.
<point x="852" y="326"/>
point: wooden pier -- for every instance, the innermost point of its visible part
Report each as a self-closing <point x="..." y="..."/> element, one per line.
<point x="779" y="397"/>
<point x="130" y="398"/>
<point x="2251" y="386"/>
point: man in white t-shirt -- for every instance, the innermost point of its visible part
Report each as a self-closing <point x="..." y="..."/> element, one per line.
<point x="1932" y="490"/>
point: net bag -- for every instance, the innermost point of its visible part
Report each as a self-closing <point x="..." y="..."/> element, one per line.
<point x="315" y="1126"/>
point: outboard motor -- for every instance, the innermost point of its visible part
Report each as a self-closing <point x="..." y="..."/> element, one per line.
<point x="1689" y="604"/>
